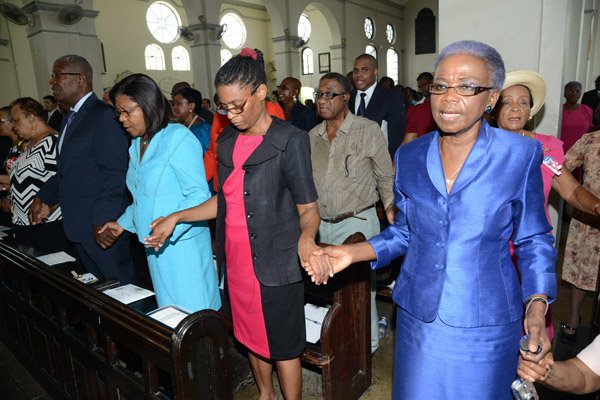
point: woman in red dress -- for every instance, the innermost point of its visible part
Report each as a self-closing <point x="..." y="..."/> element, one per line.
<point x="267" y="219"/>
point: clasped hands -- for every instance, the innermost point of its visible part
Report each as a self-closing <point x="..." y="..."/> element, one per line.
<point x="321" y="263"/>
<point x="536" y="367"/>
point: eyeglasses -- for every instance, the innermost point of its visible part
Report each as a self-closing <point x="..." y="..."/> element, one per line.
<point x="235" y="110"/>
<point x="327" y="95"/>
<point x="127" y="113"/>
<point x="462" y="90"/>
<point x="58" y="74"/>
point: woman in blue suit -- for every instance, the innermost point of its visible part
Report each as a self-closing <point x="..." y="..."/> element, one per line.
<point x="470" y="189"/>
<point x="165" y="174"/>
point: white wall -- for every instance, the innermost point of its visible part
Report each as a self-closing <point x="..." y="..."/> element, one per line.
<point x="16" y="68"/>
<point x="121" y="27"/>
<point x="412" y="64"/>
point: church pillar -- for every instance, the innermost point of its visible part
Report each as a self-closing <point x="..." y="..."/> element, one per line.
<point x="287" y="55"/>
<point x="50" y="39"/>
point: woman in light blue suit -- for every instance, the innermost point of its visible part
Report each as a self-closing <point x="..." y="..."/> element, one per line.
<point x="468" y="191"/>
<point x="165" y="174"/>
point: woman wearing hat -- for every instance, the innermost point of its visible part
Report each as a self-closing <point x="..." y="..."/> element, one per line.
<point x="522" y="97"/>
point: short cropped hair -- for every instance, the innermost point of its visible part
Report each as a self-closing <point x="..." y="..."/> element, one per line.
<point x="368" y="57"/>
<point x="428" y="76"/>
<point x="341" y="79"/>
<point x="192" y="96"/>
<point x="80" y="64"/>
<point x="50" y="98"/>
<point x="488" y="54"/>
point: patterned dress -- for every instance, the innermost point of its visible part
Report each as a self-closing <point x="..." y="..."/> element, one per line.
<point x="582" y="252"/>
<point x="28" y="173"/>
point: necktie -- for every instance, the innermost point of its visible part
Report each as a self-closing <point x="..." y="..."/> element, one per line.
<point x="70" y="116"/>
<point x="362" y="106"/>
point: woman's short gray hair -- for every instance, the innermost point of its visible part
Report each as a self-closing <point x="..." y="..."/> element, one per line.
<point x="488" y="54"/>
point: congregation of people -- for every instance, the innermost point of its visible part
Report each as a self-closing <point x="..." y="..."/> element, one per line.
<point x="450" y="178"/>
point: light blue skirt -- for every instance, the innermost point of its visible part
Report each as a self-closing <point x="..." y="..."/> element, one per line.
<point x="436" y="361"/>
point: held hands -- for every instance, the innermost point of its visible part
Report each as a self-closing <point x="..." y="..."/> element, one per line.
<point x="38" y="211"/>
<point x="162" y="229"/>
<point x="536" y="372"/>
<point x="333" y="260"/>
<point x="390" y="213"/>
<point x="315" y="265"/>
<point x="107" y="234"/>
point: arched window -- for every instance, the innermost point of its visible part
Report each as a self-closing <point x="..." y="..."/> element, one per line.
<point x="180" y="59"/>
<point x="307" y="61"/>
<point x="225" y="56"/>
<point x="369" y="28"/>
<point x="390" y="33"/>
<point x="235" y="33"/>
<point x="155" y="58"/>
<point x="163" y="22"/>
<point x="370" y="49"/>
<point x="304" y="27"/>
<point x="392" y="64"/>
<point x="425" y="32"/>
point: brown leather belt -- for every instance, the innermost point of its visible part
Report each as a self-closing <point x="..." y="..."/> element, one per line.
<point x="347" y="215"/>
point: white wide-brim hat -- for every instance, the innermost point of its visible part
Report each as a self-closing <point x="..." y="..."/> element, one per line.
<point x="532" y="81"/>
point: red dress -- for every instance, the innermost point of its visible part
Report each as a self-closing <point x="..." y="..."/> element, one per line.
<point x="269" y="321"/>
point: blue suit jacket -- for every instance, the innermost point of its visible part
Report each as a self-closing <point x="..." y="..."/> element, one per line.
<point x="457" y="261"/>
<point x="90" y="181"/>
<point x="386" y="105"/>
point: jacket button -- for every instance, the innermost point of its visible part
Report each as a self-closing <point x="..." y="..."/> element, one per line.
<point x="247" y="170"/>
<point x="250" y="214"/>
<point x="253" y="236"/>
<point x="246" y="193"/>
<point x="255" y="256"/>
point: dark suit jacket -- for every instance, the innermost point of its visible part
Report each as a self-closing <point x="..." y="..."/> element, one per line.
<point x="278" y="175"/>
<point x="386" y="105"/>
<point x="92" y="164"/>
<point x="591" y="99"/>
<point x="55" y="120"/>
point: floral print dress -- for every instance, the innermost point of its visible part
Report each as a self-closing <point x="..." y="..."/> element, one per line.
<point x="582" y="252"/>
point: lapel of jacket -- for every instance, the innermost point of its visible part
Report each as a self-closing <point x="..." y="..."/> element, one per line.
<point x="351" y="101"/>
<point x="79" y="116"/>
<point x="375" y="101"/>
<point x="473" y="164"/>
<point x="226" y="142"/>
<point x="273" y="144"/>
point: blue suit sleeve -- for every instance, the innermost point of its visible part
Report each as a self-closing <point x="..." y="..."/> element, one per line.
<point x="110" y="145"/>
<point x="532" y="238"/>
<point x="186" y="161"/>
<point x="393" y="241"/>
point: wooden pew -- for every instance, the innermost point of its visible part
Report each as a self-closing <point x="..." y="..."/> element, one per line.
<point x="81" y="344"/>
<point x="343" y="355"/>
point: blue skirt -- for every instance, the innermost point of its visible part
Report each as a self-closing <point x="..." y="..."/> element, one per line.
<point x="437" y="361"/>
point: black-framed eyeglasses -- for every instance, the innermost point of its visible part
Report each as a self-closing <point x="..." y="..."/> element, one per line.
<point x="57" y="75"/>
<point x="235" y="110"/>
<point x="327" y="95"/>
<point x="462" y="90"/>
<point x="127" y="113"/>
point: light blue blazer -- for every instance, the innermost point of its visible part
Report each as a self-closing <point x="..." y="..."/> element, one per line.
<point x="457" y="261"/>
<point x="169" y="178"/>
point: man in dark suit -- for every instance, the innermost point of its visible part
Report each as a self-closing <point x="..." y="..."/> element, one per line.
<point x="55" y="117"/>
<point x="370" y="100"/>
<point x="90" y="181"/>
<point x="591" y="98"/>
